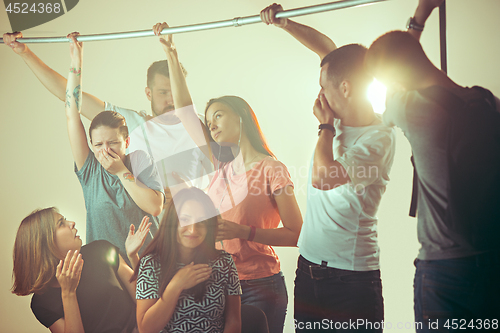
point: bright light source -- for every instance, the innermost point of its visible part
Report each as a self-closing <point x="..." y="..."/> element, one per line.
<point x="376" y="95"/>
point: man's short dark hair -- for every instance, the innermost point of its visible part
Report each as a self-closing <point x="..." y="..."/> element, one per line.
<point x="400" y="57"/>
<point x="160" y="67"/>
<point x="347" y="63"/>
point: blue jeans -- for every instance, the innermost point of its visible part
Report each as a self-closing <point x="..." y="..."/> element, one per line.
<point x="451" y="294"/>
<point x="336" y="300"/>
<point x="268" y="294"/>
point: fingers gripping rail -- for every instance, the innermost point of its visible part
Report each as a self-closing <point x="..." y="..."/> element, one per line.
<point x="236" y="22"/>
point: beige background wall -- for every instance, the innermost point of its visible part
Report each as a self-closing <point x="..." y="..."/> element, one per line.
<point x="276" y="75"/>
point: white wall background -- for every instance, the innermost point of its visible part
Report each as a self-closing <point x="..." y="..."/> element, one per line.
<point x="275" y="74"/>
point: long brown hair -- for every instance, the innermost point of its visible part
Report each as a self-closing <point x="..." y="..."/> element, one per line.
<point x="164" y="246"/>
<point x="249" y="121"/>
<point x="35" y="253"/>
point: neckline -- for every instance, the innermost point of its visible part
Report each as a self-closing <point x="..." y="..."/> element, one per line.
<point x="247" y="171"/>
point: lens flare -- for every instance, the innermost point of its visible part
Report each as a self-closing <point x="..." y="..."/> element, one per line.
<point x="376" y="95"/>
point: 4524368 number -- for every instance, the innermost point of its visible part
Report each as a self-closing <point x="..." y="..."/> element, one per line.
<point x="40" y="8"/>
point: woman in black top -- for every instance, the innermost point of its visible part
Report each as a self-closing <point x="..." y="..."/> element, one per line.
<point x="76" y="289"/>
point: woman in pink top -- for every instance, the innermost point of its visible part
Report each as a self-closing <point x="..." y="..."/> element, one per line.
<point x="253" y="192"/>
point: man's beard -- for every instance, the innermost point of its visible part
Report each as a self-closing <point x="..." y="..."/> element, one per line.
<point x="166" y="109"/>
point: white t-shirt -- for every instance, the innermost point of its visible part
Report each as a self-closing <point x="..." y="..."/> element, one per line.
<point x="170" y="146"/>
<point x="340" y="226"/>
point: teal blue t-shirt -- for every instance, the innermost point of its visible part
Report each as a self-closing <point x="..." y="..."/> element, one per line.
<point x="110" y="209"/>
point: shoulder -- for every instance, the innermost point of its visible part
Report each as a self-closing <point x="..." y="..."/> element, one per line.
<point x="398" y="103"/>
<point x="140" y="157"/>
<point x="47" y="307"/>
<point x="223" y="256"/>
<point x="223" y="263"/>
<point x="149" y="262"/>
<point x="380" y="132"/>
<point x="270" y="163"/>
<point x="101" y="252"/>
<point x="222" y="259"/>
<point x="123" y="111"/>
<point x="379" y="135"/>
<point x="98" y="246"/>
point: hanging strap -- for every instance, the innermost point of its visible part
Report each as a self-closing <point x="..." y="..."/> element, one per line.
<point x="414" y="190"/>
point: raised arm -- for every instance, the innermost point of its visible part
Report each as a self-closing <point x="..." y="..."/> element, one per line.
<point x="149" y="200"/>
<point x="76" y="131"/>
<point x="53" y="81"/>
<point x="309" y="37"/>
<point x="327" y="173"/>
<point x="183" y="103"/>
<point x="135" y="240"/>
<point x="154" y="314"/>
<point x="422" y="13"/>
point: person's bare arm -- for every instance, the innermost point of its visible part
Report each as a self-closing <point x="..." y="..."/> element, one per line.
<point x="125" y="274"/>
<point x="327" y="173"/>
<point x="149" y="200"/>
<point x="135" y="240"/>
<point x="232" y="314"/>
<point x="307" y="36"/>
<point x="73" y="95"/>
<point x="53" y="81"/>
<point x="183" y="102"/>
<point x="284" y="236"/>
<point x="422" y="13"/>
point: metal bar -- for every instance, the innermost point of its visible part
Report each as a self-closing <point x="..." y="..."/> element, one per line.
<point x="442" y="36"/>
<point x="236" y="22"/>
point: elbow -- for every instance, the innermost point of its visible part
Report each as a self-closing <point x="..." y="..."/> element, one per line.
<point x="318" y="180"/>
<point x="156" y="210"/>
<point x="327" y="178"/>
<point x="157" y="205"/>
<point x="295" y="239"/>
<point x="319" y="172"/>
<point x="296" y="233"/>
<point x="141" y="327"/>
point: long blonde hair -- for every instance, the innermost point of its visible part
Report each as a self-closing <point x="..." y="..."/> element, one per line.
<point x="35" y="253"/>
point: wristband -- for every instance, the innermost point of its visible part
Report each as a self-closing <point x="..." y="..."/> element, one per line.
<point x="328" y="127"/>
<point x="252" y="233"/>
<point x="412" y="24"/>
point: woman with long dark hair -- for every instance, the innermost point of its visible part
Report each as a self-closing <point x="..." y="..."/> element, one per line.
<point x="183" y="283"/>
<point x="251" y="190"/>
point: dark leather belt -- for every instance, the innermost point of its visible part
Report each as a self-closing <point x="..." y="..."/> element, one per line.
<point x="318" y="272"/>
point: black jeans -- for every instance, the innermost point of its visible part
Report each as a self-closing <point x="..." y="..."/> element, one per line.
<point x="458" y="295"/>
<point x="337" y="300"/>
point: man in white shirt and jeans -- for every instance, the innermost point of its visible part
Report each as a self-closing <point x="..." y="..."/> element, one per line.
<point x="338" y="284"/>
